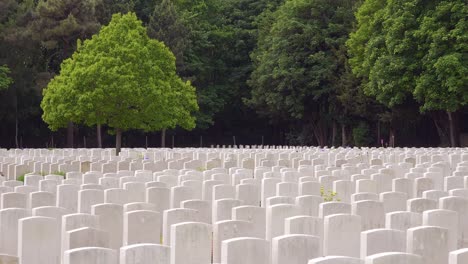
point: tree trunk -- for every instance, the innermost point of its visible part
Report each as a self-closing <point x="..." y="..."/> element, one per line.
<point x="453" y="141"/>
<point x="16" y="116"/>
<point x="334" y="130"/>
<point x="441" y="129"/>
<point x="323" y="133"/>
<point x="379" y="136"/>
<point x="456" y="128"/>
<point x="70" y="135"/>
<point x="319" y="134"/>
<point x="316" y="135"/>
<point x="16" y="129"/>
<point x="276" y="135"/>
<point x="99" y="135"/>
<point x="163" y="138"/>
<point x="343" y="135"/>
<point x="118" y="141"/>
<point x="391" y="139"/>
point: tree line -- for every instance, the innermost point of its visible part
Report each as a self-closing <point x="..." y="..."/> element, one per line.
<point x="308" y="72"/>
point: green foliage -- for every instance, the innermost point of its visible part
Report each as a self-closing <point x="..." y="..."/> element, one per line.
<point x="443" y="32"/>
<point x="21" y="177"/>
<point x="329" y="195"/>
<point x="106" y="8"/>
<point x="61" y="173"/>
<point x="203" y="61"/>
<point x="201" y="169"/>
<point x="361" y="135"/>
<point x="20" y="102"/>
<point x="298" y="62"/>
<point x="5" y="80"/>
<point x="144" y="8"/>
<point x="405" y="56"/>
<point x="60" y="100"/>
<point x="123" y="79"/>
<point x="57" y="24"/>
<point x="412" y="47"/>
<point x="367" y="48"/>
<point x="168" y="26"/>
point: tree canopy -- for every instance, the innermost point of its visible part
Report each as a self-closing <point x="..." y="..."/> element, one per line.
<point x="413" y="49"/>
<point x="443" y="34"/>
<point x="123" y="79"/>
<point x="300" y="61"/>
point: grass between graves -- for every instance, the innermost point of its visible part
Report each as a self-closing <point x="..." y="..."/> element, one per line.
<point x="60" y="173"/>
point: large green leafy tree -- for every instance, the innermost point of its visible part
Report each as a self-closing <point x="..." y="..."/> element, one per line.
<point x="241" y="28"/>
<point x="405" y="49"/>
<point x="443" y="82"/>
<point x="299" y="62"/>
<point x="368" y="52"/>
<point x="387" y="70"/>
<point x="203" y="62"/>
<point x="19" y="104"/>
<point x="167" y="25"/>
<point x="354" y="104"/>
<point x="123" y="79"/>
<point x="211" y="41"/>
<point x="57" y="24"/>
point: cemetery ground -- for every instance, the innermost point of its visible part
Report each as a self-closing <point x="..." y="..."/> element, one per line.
<point x="234" y="205"/>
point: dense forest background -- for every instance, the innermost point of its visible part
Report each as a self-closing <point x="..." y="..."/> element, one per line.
<point x="266" y="72"/>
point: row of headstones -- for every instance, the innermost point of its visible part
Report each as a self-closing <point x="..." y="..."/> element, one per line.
<point x="216" y="158"/>
<point x="128" y="151"/>
<point x="86" y="198"/>
<point x="71" y="197"/>
<point x="258" y="154"/>
<point x="374" y="182"/>
<point x="271" y="191"/>
<point x="187" y="162"/>
<point x="359" y="188"/>
<point x="39" y="243"/>
<point x="377" y="173"/>
<point x="427" y="180"/>
<point x="372" y="211"/>
<point x="12" y="170"/>
<point x="329" y="158"/>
